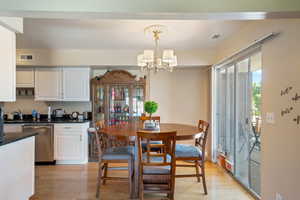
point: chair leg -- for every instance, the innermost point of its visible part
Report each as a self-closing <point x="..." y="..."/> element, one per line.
<point x="171" y="195"/>
<point x="105" y="172"/>
<point x="172" y="184"/>
<point x="99" y="180"/>
<point x="130" y="176"/>
<point x="197" y="170"/>
<point x="203" y="177"/>
<point x="141" y="188"/>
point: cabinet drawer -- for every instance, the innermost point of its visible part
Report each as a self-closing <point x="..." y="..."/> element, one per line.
<point x="70" y="128"/>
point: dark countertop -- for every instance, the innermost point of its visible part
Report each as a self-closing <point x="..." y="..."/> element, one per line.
<point x="44" y="121"/>
<point x="15" y="136"/>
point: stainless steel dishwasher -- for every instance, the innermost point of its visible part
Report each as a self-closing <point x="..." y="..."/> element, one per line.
<point x="44" y="142"/>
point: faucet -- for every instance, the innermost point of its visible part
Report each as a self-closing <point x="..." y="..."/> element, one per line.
<point x="20" y="114"/>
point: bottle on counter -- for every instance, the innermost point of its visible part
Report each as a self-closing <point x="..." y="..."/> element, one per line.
<point x="49" y="113"/>
<point x="33" y="113"/>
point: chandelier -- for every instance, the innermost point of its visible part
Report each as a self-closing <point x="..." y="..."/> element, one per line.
<point x="157" y="60"/>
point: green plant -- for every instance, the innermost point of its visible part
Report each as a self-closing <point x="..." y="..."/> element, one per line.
<point x="256" y="99"/>
<point x="150" y="107"/>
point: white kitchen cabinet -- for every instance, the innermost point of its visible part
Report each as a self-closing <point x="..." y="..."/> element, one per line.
<point x="62" y="84"/>
<point x="71" y="143"/>
<point x="17" y="170"/>
<point x="7" y="65"/>
<point x="76" y="82"/>
<point x="25" y="77"/>
<point x="48" y="84"/>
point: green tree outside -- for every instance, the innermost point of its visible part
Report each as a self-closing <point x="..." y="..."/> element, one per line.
<point x="256" y="99"/>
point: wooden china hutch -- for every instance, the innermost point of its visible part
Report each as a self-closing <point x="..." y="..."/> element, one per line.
<point x="117" y="97"/>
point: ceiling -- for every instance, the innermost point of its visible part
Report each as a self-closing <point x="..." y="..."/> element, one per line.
<point x="122" y="34"/>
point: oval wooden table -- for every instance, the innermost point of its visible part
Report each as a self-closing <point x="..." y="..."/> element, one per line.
<point x="184" y="132"/>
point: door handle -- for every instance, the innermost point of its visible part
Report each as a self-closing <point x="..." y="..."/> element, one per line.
<point x="80" y="138"/>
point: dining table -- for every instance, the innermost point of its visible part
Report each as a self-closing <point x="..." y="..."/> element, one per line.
<point x="130" y="129"/>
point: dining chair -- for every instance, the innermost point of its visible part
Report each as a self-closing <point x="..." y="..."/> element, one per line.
<point x="157" y="169"/>
<point x="155" y="118"/>
<point x="194" y="154"/>
<point x="255" y="140"/>
<point x="113" y="149"/>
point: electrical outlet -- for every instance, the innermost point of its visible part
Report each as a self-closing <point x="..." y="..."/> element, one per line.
<point x="270" y="118"/>
<point x="279" y="196"/>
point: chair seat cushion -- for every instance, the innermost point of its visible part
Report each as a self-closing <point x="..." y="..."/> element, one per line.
<point x="118" y="153"/>
<point x="152" y="170"/>
<point x="184" y="151"/>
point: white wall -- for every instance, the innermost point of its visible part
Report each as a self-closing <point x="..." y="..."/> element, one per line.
<point x="114" y="57"/>
<point x="183" y="95"/>
<point x="281" y="69"/>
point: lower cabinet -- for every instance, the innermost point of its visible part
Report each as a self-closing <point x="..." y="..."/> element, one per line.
<point x="17" y="170"/>
<point x="71" y="143"/>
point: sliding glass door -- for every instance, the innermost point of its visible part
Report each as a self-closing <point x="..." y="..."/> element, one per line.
<point x="255" y="125"/>
<point x="243" y="106"/>
<point x="237" y="118"/>
<point x="225" y="111"/>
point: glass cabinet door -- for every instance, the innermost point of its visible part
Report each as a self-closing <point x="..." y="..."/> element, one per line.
<point x="119" y="105"/>
<point x="99" y="109"/>
<point x="138" y="102"/>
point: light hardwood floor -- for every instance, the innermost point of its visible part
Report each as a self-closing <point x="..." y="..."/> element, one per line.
<point x="78" y="182"/>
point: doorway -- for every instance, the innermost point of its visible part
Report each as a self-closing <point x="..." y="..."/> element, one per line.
<point x="238" y="118"/>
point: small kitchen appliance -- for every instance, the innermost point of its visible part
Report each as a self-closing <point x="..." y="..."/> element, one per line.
<point x="58" y="113"/>
<point x="74" y="115"/>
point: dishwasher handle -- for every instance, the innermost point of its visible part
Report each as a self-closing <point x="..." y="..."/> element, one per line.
<point x="36" y="127"/>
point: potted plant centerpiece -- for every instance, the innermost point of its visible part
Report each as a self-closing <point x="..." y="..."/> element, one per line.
<point x="150" y="107"/>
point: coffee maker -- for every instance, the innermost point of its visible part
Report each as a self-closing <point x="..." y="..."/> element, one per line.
<point x="1" y="123"/>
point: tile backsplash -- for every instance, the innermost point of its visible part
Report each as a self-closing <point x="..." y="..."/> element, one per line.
<point x="27" y="104"/>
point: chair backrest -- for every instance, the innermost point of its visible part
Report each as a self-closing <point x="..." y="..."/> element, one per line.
<point x="155" y="118"/>
<point x="99" y="124"/>
<point x="167" y="149"/>
<point x="104" y="141"/>
<point x="201" y="141"/>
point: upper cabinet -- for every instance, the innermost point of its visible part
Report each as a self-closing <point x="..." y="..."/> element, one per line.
<point x="48" y="83"/>
<point x="62" y="84"/>
<point x="7" y="65"/>
<point x="76" y="82"/>
<point x="25" y="77"/>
